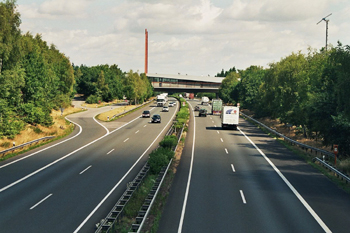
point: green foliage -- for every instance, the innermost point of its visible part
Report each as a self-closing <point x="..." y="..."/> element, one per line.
<point x="93" y="99"/>
<point x="228" y="91"/>
<point x="169" y="142"/>
<point x="308" y="91"/>
<point x="159" y="158"/>
<point x="34" y="78"/>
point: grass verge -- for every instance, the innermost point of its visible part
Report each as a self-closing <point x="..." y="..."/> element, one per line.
<point x="133" y="206"/>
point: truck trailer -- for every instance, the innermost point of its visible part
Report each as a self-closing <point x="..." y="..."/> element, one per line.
<point x="216" y="106"/>
<point x="205" y="100"/>
<point x="229" y="117"/>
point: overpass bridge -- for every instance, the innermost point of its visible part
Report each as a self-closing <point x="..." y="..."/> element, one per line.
<point x="184" y="83"/>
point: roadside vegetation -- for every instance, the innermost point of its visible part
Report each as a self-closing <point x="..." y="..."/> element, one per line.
<point x="306" y="92"/>
<point x="37" y="81"/>
<point x="157" y="160"/>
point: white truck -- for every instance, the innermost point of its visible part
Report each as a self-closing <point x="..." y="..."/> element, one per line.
<point x="162" y="99"/>
<point x="229" y="117"/>
<point x="205" y="100"/>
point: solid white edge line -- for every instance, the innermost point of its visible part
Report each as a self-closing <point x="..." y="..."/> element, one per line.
<point x="85" y="169"/>
<point x="57" y="160"/>
<point x="243" y="198"/>
<point x="100" y="123"/>
<point x="40" y="201"/>
<point x="189" y="177"/>
<point x="121" y="180"/>
<point x="233" y="168"/>
<point x="110" y="151"/>
<point x="296" y="193"/>
<point x="17" y="160"/>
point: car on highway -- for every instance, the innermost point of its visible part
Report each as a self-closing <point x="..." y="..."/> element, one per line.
<point x="202" y="112"/>
<point x="165" y="109"/>
<point x="156" y="118"/>
<point x="171" y="104"/>
<point x="196" y="108"/>
<point x="146" y="113"/>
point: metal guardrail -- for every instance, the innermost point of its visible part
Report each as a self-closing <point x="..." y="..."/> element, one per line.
<point x="119" y="114"/>
<point x="116" y="213"/>
<point x="331" y="168"/>
<point x="146" y="207"/>
<point x="323" y="152"/>
<point x="25" y="144"/>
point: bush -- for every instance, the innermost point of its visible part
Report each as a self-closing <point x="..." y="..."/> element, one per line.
<point x="93" y="99"/>
<point x="159" y="158"/>
<point x="169" y="142"/>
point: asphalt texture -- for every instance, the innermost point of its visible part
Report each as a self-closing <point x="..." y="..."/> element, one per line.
<point x="234" y="188"/>
<point x="70" y="185"/>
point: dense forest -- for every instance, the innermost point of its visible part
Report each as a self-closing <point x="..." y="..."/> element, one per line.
<point x="106" y="83"/>
<point x="309" y="91"/>
<point x="36" y="78"/>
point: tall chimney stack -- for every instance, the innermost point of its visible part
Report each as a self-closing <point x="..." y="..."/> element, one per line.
<point x="146" y="51"/>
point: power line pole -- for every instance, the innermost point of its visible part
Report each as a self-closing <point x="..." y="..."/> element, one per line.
<point x="326" y="20"/>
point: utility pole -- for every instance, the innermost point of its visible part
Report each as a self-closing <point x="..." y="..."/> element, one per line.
<point x="326" y="20"/>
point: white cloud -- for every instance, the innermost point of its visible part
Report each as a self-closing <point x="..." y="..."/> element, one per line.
<point x="275" y="10"/>
<point x="55" y="9"/>
<point x="187" y="36"/>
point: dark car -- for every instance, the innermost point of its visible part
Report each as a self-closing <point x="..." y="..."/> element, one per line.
<point x="146" y="113"/>
<point x="156" y="119"/>
<point x="197" y="108"/>
<point x="202" y="112"/>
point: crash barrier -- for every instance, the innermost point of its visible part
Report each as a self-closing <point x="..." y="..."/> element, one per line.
<point x="105" y="225"/>
<point x="332" y="169"/>
<point x="119" y="114"/>
<point x="291" y="141"/>
<point x="303" y="146"/>
<point x="2" y="153"/>
<point x="116" y="213"/>
<point x="147" y="205"/>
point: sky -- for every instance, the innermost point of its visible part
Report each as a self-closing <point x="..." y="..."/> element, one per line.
<point x="194" y="37"/>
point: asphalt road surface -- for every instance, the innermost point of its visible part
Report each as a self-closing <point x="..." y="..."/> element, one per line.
<point x="244" y="181"/>
<point x="71" y="184"/>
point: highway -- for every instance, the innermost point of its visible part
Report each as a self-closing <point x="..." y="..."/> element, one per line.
<point x="71" y="184"/>
<point x="245" y="181"/>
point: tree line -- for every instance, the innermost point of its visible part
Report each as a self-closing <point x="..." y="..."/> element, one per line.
<point x="106" y="83"/>
<point x="36" y="78"/>
<point x="309" y="91"/>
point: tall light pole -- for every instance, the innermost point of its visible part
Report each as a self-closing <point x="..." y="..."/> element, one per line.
<point x="326" y="20"/>
<point x="146" y="51"/>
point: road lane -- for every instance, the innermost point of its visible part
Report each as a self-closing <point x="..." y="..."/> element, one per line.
<point x="74" y="195"/>
<point x="249" y="196"/>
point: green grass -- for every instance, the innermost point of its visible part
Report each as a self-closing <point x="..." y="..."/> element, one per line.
<point x="68" y="131"/>
<point x="133" y="206"/>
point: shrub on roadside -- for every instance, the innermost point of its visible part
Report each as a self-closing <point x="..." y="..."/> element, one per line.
<point x="169" y="142"/>
<point x="159" y="158"/>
